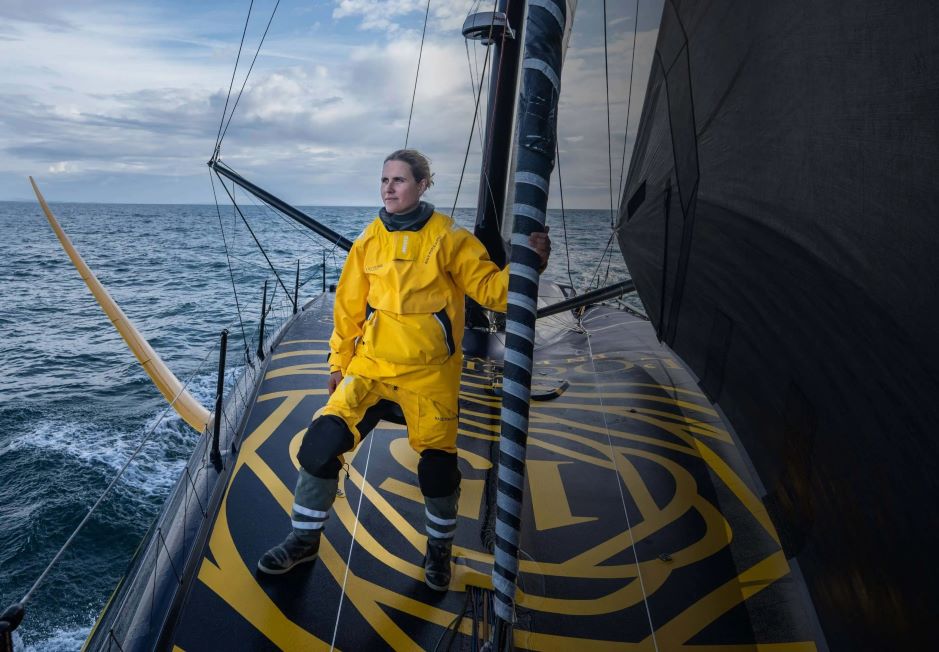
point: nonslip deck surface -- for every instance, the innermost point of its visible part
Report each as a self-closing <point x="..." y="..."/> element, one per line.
<point x="642" y="528"/>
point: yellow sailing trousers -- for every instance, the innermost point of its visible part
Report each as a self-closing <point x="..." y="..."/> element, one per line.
<point x="430" y="424"/>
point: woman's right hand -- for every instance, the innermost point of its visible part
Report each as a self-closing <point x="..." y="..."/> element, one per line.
<point x="334" y="379"/>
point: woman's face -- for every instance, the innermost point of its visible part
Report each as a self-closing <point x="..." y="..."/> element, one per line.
<point x="399" y="191"/>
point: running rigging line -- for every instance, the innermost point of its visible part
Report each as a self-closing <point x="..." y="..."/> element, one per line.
<point x="479" y="94"/>
<point x="417" y="74"/>
<point x="613" y="457"/>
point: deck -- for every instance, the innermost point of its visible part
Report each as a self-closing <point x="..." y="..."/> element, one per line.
<point x="644" y="529"/>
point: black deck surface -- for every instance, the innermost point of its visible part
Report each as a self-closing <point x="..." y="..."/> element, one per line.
<point x="643" y="529"/>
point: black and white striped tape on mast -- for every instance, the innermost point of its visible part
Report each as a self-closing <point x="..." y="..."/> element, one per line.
<point x="537" y="133"/>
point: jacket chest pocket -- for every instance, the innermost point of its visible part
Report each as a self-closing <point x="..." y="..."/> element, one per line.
<point x="408" y="287"/>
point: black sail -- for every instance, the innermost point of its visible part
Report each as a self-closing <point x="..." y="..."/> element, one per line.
<point x="780" y="219"/>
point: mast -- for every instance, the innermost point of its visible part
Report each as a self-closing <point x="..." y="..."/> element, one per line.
<point x="500" y="29"/>
<point x="537" y="134"/>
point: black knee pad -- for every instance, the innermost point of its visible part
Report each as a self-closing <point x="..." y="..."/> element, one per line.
<point x="438" y="473"/>
<point x="325" y="440"/>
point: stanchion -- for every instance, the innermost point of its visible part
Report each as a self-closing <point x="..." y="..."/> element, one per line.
<point x="296" y="289"/>
<point x="216" y="456"/>
<point x="261" y="328"/>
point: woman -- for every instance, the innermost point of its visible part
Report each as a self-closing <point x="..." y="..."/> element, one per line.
<point x="398" y="325"/>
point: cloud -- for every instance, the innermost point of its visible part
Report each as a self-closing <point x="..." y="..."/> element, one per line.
<point x="50" y="13"/>
<point x="122" y="103"/>
<point x="385" y="15"/>
<point x="63" y="167"/>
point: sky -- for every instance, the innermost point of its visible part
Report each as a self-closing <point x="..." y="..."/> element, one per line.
<point x="121" y="101"/>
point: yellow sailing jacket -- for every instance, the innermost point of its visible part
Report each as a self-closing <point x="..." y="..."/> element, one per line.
<point x="399" y="310"/>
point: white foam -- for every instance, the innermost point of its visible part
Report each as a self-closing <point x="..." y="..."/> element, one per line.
<point x="59" y="640"/>
<point x="154" y="470"/>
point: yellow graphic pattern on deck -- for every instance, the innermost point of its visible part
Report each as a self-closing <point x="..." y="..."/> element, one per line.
<point x="235" y="583"/>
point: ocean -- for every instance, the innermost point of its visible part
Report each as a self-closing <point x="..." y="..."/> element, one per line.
<point x="74" y="403"/>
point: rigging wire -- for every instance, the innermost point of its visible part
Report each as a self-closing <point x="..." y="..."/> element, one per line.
<point x="629" y="97"/>
<point x="479" y="134"/>
<point x="609" y="129"/>
<point x="479" y="94"/>
<point x="417" y="74"/>
<point x="257" y="242"/>
<point x="607" y="253"/>
<point x="595" y="277"/>
<point x="469" y="140"/>
<point x="329" y="252"/>
<point x="567" y="251"/>
<point x="231" y="273"/>
<point x="248" y="74"/>
<point x="231" y="84"/>
<point x="259" y="203"/>
<point x="609" y="148"/>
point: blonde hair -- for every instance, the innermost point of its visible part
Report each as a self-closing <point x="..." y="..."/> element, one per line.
<point x="419" y="164"/>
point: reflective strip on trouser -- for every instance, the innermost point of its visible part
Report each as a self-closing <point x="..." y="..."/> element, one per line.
<point x="312" y="500"/>
<point x="440" y="515"/>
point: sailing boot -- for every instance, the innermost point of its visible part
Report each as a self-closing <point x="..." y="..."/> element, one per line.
<point x="313" y="498"/>
<point x="440" y="523"/>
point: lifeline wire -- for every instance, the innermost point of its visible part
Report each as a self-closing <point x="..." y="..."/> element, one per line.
<point x="113" y="482"/>
<point x="417" y="74"/>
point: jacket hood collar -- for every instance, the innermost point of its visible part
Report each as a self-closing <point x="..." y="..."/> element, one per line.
<point x="411" y="221"/>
